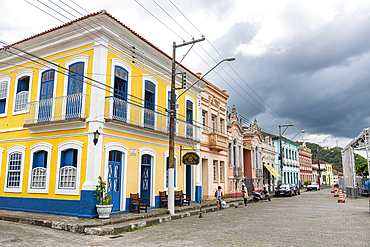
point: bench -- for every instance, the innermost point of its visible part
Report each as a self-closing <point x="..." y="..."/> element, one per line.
<point x="138" y="203"/>
<point x="181" y="198"/>
<point x="163" y="199"/>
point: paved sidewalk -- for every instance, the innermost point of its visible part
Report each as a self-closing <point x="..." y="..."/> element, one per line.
<point x="117" y="223"/>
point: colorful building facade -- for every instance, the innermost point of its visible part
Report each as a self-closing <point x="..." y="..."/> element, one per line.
<point x="253" y="166"/>
<point x="88" y="104"/>
<point x="290" y="160"/>
<point x="305" y="163"/>
<point x="235" y="171"/>
<point x="214" y="141"/>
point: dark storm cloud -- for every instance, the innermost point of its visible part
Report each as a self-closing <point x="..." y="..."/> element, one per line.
<point x="319" y="79"/>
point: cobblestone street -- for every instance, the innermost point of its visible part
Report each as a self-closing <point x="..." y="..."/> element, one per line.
<point x="311" y="219"/>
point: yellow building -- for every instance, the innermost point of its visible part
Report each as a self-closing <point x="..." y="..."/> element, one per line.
<point x="93" y="75"/>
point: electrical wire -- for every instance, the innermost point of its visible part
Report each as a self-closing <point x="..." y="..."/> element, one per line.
<point x="231" y="68"/>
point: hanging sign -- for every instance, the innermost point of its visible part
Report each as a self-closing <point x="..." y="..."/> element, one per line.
<point x="247" y="146"/>
<point x="190" y="158"/>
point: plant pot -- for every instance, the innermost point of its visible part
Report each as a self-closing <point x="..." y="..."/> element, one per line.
<point x="104" y="211"/>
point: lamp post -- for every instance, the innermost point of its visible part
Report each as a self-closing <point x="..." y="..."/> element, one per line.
<point x="172" y="111"/>
<point x="281" y="149"/>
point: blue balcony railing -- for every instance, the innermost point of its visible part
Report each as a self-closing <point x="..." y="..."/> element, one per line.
<point x="56" y="109"/>
<point x="126" y="112"/>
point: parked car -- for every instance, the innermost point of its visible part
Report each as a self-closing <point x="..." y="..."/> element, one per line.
<point x="313" y="186"/>
<point x="297" y="190"/>
<point x="284" y="190"/>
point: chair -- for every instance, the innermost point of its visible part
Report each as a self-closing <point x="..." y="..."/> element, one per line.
<point x="140" y="203"/>
<point x="163" y="199"/>
<point x="186" y="198"/>
<point x="181" y="198"/>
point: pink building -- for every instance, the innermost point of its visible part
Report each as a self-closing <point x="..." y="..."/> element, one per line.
<point x="235" y="170"/>
<point x="214" y="141"/>
<point x="253" y="167"/>
<point x="305" y="163"/>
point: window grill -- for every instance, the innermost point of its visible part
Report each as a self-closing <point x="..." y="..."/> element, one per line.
<point x="14" y="172"/>
<point x="21" y="101"/>
<point x="68" y="177"/>
<point x="38" y="177"/>
<point x="3" y="90"/>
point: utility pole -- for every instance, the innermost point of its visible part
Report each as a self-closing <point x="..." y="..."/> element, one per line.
<point x="171" y="144"/>
<point x="281" y="150"/>
<point x="318" y="163"/>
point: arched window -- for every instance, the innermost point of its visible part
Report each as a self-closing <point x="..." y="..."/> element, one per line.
<point x="68" y="167"/>
<point x="46" y="93"/>
<point x="22" y="93"/>
<point x="149" y="104"/>
<point x="189" y="119"/>
<point x="39" y="168"/>
<point x="120" y="94"/>
<point x="14" y="170"/>
<point x="4" y="94"/>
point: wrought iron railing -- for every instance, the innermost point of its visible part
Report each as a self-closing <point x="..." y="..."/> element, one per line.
<point x="131" y="113"/>
<point x="259" y="172"/>
<point x="238" y="172"/>
<point x="57" y="109"/>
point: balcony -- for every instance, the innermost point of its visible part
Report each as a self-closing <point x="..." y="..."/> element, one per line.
<point x="238" y="172"/>
<point x="123" y="112"/>
<point x="217" y="141"/>
<point x="259" y="173"/>
<point x="65" y="109"/>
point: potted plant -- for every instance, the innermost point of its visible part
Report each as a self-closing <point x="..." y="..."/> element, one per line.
<point x="104" y="206"/>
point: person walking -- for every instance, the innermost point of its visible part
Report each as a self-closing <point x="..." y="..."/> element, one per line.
<point x="245" y="195"/>
<point x="219" y="197"/>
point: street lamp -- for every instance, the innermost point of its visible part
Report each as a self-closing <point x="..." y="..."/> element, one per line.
<point x="226" y="59"/>
<point x="302" y="131"/>
<point x="281" y="149"/>
<point x="172" y="111"/>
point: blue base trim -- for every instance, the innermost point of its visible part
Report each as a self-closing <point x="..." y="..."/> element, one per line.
<point x="83" y="208"/>
<point x="198" y="193"/>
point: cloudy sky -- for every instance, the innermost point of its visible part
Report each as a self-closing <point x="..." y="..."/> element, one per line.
<point x="297" y="62"/>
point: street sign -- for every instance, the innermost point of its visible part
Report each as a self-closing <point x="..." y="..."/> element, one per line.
<point x="190" y="158"/>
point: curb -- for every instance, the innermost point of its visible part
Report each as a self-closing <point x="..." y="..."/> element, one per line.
<point x="131" y="226"/>
<point x="106" y="227"/>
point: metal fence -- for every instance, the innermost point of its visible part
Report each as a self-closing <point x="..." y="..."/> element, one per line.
<point x="124" y="111"/>
<point x="57" y="109"/>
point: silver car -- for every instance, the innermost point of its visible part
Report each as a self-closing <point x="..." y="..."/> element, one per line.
<point x="313" y="186"/>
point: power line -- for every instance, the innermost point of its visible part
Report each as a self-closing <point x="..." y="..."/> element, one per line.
<point x="231" y="68"/>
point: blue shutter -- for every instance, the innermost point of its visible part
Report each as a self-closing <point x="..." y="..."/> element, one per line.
<point x="69" y="158"/>
<point x="39" y="159"/>
<point x="2" y="105"/>
<point x="23" y="84"/>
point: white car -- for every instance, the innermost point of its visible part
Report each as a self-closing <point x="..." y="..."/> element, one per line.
<point x="313" y="186"/>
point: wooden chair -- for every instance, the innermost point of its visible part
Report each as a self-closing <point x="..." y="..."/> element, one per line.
<point x="163" y="199"/>
<point x="138" y="204"/>
<point x="178" y="198"/>
<point x="186" y="198"/>
<point x="181" y="198"/>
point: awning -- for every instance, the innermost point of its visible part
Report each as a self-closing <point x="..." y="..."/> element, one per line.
<point x="272" y="170"/>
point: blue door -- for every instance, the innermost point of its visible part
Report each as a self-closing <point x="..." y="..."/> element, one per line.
<point x="188" y="179"/>
<point x="120" y="94"/>
<point x="149" y="100"/>
<point x="145" y="176"/>
<point x="74" y="99"/>
<point x="46" y="95"/>
<point x="114" y="178"/>
<point x="189" y="119"/>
